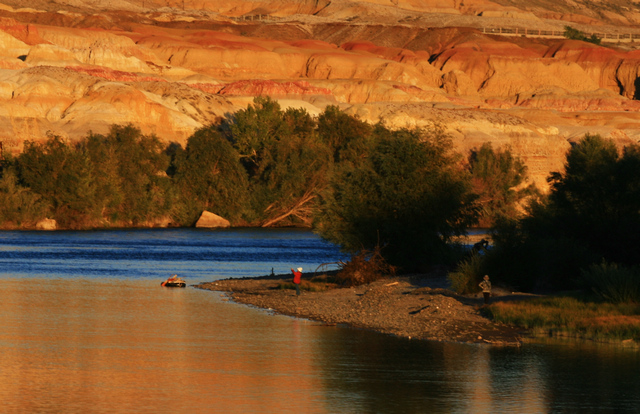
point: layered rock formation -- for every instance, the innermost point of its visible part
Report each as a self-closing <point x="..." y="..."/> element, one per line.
<point x="172" y="67"/>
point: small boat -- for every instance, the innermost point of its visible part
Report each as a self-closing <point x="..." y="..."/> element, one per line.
<point x="174" y="281"/>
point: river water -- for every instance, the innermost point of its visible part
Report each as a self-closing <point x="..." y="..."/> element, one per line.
<point x="87" y="328"/>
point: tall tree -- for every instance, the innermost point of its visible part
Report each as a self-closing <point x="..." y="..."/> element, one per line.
<point x="109" y="184"/>
<point x="499" y="179"/>
<point x="253" y="131"/>
<point x="19" y="206"/>
<point x="136" y="179"/>
<point x="63" y="177"/>
<point x="346" y="136"/>
<point x="285" y="161"/>
<point x="597" y="198"/>
<point x="409" y="196"/>
<point x="592" y="213"/>
<point x="210" y="177"/>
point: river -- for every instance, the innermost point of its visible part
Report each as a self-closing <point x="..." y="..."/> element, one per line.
<point x="87" y="328"/>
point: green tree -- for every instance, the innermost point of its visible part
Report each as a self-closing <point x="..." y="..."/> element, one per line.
<point x="346" y="136"/>
<point x="591" y="214"/>
<point x="210" y="177"/>
<point x="285" y="161"/>
<point x="109" y="195"/>
<point x="136" y="189"/>
<point x="19" y="206"/>
<point x="409" y="196"/>
<point x="300" y="162"/>
<point x="62" y="176"/>
<point x="142" y="166"/>
<point x="597" y="199"/>
<point x="498" y="178"/>
<point x="253" y="131"/>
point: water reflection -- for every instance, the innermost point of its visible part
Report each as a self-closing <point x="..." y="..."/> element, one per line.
<point x="130" y="346"/>
<point x="110" y="344"/>
<point x="100" y="346"/>
<point x="380" y="374"/>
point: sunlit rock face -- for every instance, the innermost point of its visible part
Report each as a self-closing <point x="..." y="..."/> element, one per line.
<point x="169" y="67"/>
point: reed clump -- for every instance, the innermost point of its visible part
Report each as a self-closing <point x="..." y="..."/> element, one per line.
<point x="467" y="275"/>
<point x="571" y="317"/>
<point x="612" y="282"/>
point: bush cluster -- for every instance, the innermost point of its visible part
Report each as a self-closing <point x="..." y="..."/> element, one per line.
<point x="468" y="274"/>
<point x="364" y="267"/>
<point x="590" y="216"/>
<point x="575" y="34"/>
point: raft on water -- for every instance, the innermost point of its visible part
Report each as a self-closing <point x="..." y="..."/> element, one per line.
<point x="174" y="281"/>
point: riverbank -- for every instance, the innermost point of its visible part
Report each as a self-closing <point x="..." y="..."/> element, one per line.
<point x="415" y="307"/>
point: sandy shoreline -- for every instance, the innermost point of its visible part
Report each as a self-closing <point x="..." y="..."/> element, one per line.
<point x="407" y="306"/>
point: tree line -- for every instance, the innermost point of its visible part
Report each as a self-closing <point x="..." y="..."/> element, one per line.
<point x="402" y="192"/>
<point x="261" y="166"/>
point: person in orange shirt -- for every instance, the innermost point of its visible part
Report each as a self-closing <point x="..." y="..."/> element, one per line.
<point x="297" y="277"/>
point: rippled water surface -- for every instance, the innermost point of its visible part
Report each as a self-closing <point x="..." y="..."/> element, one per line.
<point x="86" y="328"/>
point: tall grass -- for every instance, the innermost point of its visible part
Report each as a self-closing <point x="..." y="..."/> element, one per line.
<point x="612" y="282"/>
<point x="569" y="316"/>
<point x="467" y="276"/>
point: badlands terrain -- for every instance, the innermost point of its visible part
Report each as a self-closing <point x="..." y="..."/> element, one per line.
<point x="497" y="71"/>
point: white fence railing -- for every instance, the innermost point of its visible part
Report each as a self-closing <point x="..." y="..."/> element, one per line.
<point x="502" y="31"/>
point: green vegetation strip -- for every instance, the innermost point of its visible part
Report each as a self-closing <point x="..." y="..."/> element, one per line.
<point x="572" y="317"/>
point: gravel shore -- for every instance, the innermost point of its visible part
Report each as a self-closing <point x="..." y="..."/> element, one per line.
<point x="409" y="306"/>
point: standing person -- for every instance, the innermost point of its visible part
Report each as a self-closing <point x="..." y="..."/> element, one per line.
<point x="486" y="289"/>
<point x="297" y="276"/>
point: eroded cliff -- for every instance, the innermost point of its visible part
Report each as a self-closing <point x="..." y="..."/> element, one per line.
<point x="70" y="67"/>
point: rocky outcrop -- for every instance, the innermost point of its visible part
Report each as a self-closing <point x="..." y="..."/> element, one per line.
<point x="46" y="224"/>
<point x="210" y="220"/>
<point x="458" y="83"/>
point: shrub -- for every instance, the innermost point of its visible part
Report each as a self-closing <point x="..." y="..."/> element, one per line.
<point x="467" y="276"/>
<point x="364" y="267"/>
<point x="571" y="33"/>
<point x="612" y="282"/>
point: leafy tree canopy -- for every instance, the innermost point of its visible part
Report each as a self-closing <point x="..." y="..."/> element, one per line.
<point x="346" y="136"/>
<point x="498" y="178"/>
<point x="591" y="214"/>
<point x="409" y="197"/>
<point x="285" y="161"/>
<point x="597" y="198"/>
<point x="210" y="177"/>
<point x="63" y="178"/>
